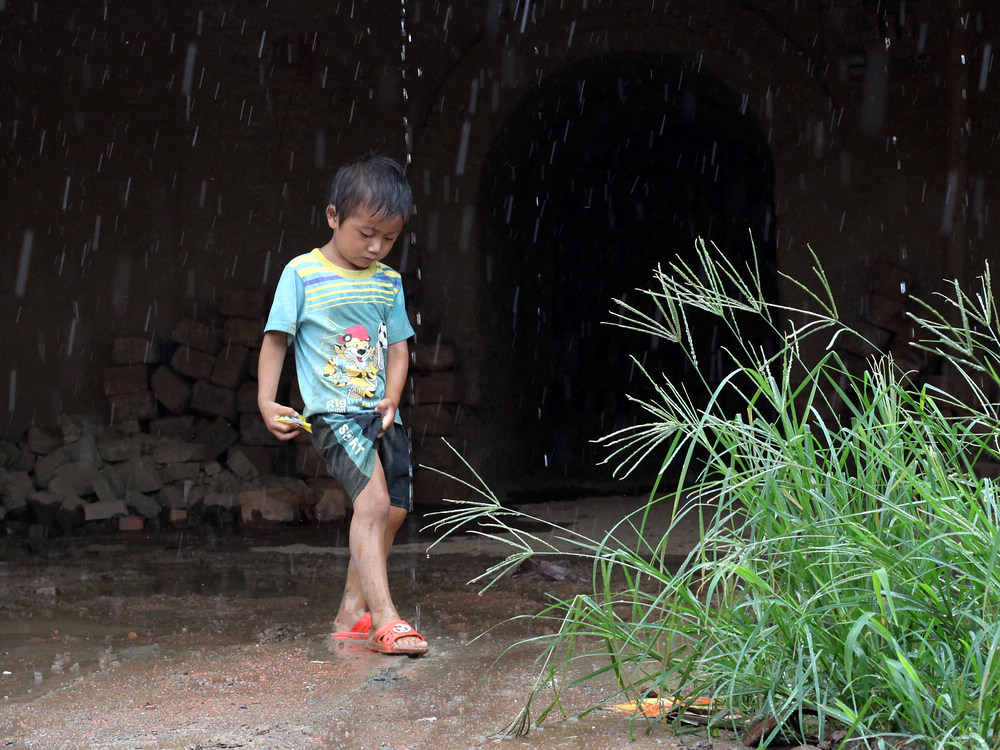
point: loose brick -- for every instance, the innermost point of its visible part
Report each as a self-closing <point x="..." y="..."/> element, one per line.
<point x="171" y="390"/>
<point x="430" y="357"/>
<point x="179" y="428"/>
<point x="217" y="438"/>
<point x="244" y="331"/>
<point x="236" y="302"/>
<point x="129" y="406"/>
<point x="246" y="398"/>
<point x="131" y="523"/>
<point x="269" y="506"/>
<point x="168" y="451"/>
<point x="253" y="431"/>
<point x="205" y="337"/>
<point x="261" y="457"/>
<point x="230" y="367"/>
<point x="104" y="509"/>
<point x="192" y="363"/>
<point x="214" y="401"/>
<point x="113" y="450"/>
<point x="870" y="341"/>
<point x="240" y="463"/>
<point x="135" y="350"/>
<point x="126" y="379"/>
<point x="431" y="419"/>
<point x="179" y="472"/>
<point x="435" y="388"/>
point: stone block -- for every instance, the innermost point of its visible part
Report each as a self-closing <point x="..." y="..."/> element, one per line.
<point x="141" y="475"/>
<point x="244" y="331"/>
<point x="205" y="337"/>
<point x="191" y="363"/>
<point x="886" y="312"/>
<point x="179" y="427"/>
<point x="126" y="379"/>
<point x="173" y="496"/>
<point x="332" y="505"/>
<point x="104" y="509"/>
<point x="136" y="350"/>
<point x="434" y="388"/>
<point x="870" y="340"/>
<point x="16" y="457"/>
<point x="214" y="401"/>
<point x="432" y="452"/>
<point x="240" y="464"/>
<point x="236" y="302"/>
<point x="269" y="506"/>
<point x="430" y="420"/>
<point x="15" y="487"/>
<point x="114" y="450"/>
<point x="128" y="406"/>
<point x="431" y="357"/>
<point x="253" y="431"/>
<point x="222" y="499"/>
<point x="46" y="466"/>
<point x="230" y="367"/>
<point x="246" y="398"/>
<point x="169" y="451"/>
<point x="217" y="438"/>
<point x="178" y="517"/>
<point x="142" y="504"/>
<point x="74" y="478"/>
<point x="44" y="440"/>
<point x="170" y="389"/>
<point x="179" y="472"/>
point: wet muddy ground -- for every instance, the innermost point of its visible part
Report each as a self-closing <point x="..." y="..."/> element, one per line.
<point x="191" y="640"/>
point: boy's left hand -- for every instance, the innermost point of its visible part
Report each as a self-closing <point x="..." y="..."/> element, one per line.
<point x="386" y="408"/>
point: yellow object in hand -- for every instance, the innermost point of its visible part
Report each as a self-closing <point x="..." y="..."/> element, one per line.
<point x="296" y="420"/>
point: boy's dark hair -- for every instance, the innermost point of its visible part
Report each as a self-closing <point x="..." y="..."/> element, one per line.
<point x="372" y="181"/>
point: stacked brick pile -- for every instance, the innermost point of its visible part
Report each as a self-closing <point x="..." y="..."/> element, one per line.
<point x="886" y="329"/>
<point x="186" y="445"/>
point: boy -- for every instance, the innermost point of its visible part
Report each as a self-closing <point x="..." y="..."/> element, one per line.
<point x="344" y="311"/>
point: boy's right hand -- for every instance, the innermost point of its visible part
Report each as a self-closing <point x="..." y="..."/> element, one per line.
<point x="270" y="411"/>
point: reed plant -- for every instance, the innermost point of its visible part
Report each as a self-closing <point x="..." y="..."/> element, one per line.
<point x="846" y="579"/>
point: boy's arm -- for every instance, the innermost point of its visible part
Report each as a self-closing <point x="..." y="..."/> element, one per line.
<point x="397" y="363"/>
<point x="272" y="359"/>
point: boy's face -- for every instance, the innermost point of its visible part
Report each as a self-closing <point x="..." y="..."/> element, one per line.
<point x="362" y="238"/>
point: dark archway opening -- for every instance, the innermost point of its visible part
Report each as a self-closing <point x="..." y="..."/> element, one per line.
<point x="607" y="169"/>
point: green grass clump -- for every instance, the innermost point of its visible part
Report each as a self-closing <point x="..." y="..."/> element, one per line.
<point x="846" y="577"/>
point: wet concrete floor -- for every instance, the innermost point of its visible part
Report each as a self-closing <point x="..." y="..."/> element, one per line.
<point x="193" y="640"/>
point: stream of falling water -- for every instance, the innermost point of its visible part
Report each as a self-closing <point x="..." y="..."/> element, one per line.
<point x="405" y="39"/>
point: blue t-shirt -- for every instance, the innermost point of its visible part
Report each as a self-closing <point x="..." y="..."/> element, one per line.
<point x="342" y="321"/>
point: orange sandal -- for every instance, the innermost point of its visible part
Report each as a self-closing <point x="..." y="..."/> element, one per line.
<point x="384" y="639"/>
<point x="361" y="629"/>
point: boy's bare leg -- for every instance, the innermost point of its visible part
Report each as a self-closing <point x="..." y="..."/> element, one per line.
<point x="370" y="551"/>
<point x="353" y="603"/>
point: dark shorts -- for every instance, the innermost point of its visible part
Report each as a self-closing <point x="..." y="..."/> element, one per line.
<point x="349" y="443"/>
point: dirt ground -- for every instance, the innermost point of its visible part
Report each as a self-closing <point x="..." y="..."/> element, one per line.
<point x="194" y="641"/>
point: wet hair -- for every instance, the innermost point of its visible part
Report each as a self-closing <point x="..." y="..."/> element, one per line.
<point x="372" y="181"/>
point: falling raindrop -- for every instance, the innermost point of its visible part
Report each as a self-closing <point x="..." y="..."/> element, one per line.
<point x="192" y="50"/>
<point x="27" y="243"/>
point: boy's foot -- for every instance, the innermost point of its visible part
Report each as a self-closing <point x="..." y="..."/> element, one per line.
<point x="397" y="637"/>
<point x="358" y="631"/>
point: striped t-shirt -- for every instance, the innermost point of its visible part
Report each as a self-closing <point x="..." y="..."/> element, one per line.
<point x="341" y="321"/>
